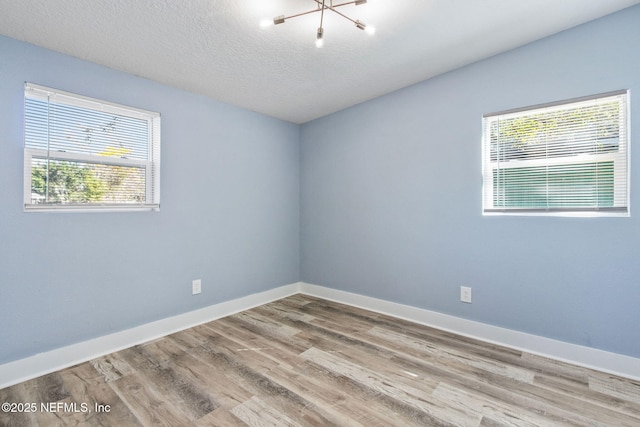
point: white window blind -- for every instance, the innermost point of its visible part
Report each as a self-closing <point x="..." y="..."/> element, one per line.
<point x="567" y="158"/>
<point x="85" y="154"/>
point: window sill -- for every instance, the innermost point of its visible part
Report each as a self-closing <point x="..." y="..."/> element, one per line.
<point x="95" y="208"/>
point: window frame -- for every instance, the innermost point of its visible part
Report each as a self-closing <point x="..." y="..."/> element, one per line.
<point x="621" y="197"/>
<point x="151" y="165"/>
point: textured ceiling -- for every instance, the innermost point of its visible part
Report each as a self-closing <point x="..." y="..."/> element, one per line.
<point x="217" y="47"/>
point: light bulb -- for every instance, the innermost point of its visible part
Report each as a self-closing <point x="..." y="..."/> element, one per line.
<point x="319" y="38"/>
<point x="370" y="29"/>
<point x="265" y="23"/>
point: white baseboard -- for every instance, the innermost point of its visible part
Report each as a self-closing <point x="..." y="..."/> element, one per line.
<point x="43" y="363"/>
<point x="617" y="364"/>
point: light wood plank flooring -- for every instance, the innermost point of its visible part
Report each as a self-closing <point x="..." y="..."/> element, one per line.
<point x="303" y="361"/>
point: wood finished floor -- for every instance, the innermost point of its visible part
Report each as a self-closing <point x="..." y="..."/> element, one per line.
<point x="303" y="361"/>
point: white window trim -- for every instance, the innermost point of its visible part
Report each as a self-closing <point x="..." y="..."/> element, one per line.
<point x="151" y="165"/>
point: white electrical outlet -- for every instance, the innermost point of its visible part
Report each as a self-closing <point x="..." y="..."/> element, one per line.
<point x="196" y="286"/>
<point x="465" y="294"/>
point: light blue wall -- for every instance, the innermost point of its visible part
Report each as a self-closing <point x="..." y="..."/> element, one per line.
<point x="229" y="214"/>
<point x="391" y="198"/>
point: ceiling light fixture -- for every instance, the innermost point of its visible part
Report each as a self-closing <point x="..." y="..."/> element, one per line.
<point x="321" y="6"/>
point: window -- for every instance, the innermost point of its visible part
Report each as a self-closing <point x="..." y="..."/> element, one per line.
<point x="86" y="154"/>
<point x="568" y="158"/>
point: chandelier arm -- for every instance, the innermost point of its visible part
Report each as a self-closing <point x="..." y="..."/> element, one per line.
<point x="342" y="14"/>
<point x="301" y="14"/>
<point x="322" y="14"/>
<point x="333" y="6"/>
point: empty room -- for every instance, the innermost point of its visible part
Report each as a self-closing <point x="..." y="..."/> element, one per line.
<point x="319" y="213"/>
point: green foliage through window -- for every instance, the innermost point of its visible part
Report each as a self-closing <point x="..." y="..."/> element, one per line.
<point x="64" y="182"/>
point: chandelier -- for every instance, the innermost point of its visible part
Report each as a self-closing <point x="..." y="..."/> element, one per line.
<point x="321" y="6"/>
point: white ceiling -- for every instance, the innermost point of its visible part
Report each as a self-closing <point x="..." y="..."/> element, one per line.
<point x="217" y="47"/>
